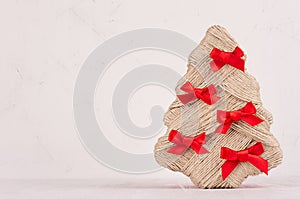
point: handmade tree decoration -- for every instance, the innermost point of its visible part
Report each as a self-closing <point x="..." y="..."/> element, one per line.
<point x="218" y="131"/>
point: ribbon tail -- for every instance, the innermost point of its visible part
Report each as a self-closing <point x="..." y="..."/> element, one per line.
<point x="223" y="128"/>
<point x="227" y="168"/>
<point x="215" y="65"/>
<point x="238" y="63"/>
<point x="212" y="89"/>
<point x="210" y="95"/>
<point x="178" y="150"/>
<point x="199" y="149"/>
<point x="210" y="99"/>
<point x="214" y="99"/>
<point x="202" y="150"/>
<point x="252" y="120"/>
<point x="201" y="138"/>
<point x="197" y="144"/>
<point x="259" y="163"/>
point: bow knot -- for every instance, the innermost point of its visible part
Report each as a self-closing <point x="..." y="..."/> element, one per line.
<point x="220" y="58"/>
<point x="207" y="94"/>
<point x="242" y="156"/>
<point x="200" y="92"/>
<point x="246" y="114"/>
<point x="235" y="115"/>
<point x="182" y="143"/>
<point x="251" y="155"/>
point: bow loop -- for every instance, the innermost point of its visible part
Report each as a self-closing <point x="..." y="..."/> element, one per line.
<point x="228" y="154"/>
<point x="187" y="87"/>
<point x="182" y="143"/>
<point x="207" y="94"/>
<point x="238" y="52"/>
<point x="249" y="108"/>
<point x="175" y="137"/>
<point x="246" y="114"/>
<point x="256" y="149"/>
<point x="220" y="58"/>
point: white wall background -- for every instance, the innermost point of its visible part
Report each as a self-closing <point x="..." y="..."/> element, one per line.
<point x="44" y="43"/>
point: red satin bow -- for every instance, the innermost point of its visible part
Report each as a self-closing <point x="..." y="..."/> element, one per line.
<point x="250" y="155"/>
<point x="207" y="94"/>
<point x="228" y="117"/>
<point x="182" y="143"/>
<point x="220" y="58"/>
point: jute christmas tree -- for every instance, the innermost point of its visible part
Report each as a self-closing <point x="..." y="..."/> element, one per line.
<point x="218" y="131"/>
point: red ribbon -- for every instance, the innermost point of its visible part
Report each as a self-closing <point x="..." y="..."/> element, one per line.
<point x="182" y="143"/>
<point x="250" y="155"/>
<point x="207" y="94"/>
<point x="228" y="117"/>
<point x="220" y="58"/>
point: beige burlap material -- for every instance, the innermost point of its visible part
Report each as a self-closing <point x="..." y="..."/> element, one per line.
<point x="235" y="88"/>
